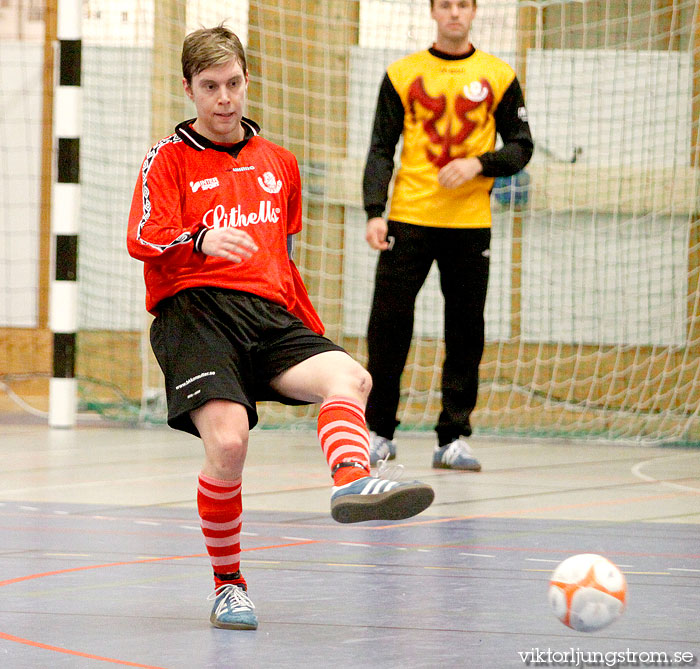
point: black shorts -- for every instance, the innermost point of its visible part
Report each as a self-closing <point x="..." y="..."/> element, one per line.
<point x="213" y="343"/>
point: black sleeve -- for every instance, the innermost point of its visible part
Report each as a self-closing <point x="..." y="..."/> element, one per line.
<point x="512" y="126"/>
<point x="388" y="126"/>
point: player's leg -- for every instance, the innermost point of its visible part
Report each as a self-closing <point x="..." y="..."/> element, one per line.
<point x="223" y="427"/>
<point x="200" y="366"/>
<point x="464" y="268"/>
<point x="400" y="273"/>
<point x="342" y="385"/>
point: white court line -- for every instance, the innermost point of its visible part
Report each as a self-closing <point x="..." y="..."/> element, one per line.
<point x="668" y="484"/>
<point x="92" y="484"/>
<point x="693" y="571"/>
<point x="478" y="555"/>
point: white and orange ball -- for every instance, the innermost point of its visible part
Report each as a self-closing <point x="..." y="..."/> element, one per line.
<point x="587" y="592"/>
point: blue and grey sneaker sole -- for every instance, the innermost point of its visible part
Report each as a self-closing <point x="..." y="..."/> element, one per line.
<point x="474" y="466"/>
<point x="400" y="502"/>
<point x="471" y="465"/>
<point x="247" y="621"/>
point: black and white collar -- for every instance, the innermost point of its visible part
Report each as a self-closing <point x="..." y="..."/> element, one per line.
<point x="194" y="140"/>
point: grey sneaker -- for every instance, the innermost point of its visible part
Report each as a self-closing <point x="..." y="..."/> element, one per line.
<point x="373" y="498"/>
<point x="456" y="455"/>
<point x="232" y="608"/>
<point x="380" y="448"/>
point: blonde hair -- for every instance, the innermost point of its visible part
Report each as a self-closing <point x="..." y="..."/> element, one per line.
<point x="208" y="47"/>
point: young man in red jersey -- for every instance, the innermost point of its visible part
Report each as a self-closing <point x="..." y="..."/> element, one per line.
<point x="212" y="211"/>
<point x="449" y="102"/>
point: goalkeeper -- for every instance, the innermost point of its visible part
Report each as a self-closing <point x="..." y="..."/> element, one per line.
<point x="212" y="211"/>
<point x="448" y="102"/>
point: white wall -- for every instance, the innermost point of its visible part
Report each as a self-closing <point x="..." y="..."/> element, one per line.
<point x="20" y="179"/>
<point x="619" y="107"/>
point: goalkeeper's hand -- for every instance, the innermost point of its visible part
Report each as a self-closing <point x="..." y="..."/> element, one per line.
<point x="459" y="171"/>
<point x="376" y="232"/>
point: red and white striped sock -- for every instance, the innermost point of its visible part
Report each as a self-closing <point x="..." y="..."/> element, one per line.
<point x="220" y="508"/>
<point x="344" y="439"/>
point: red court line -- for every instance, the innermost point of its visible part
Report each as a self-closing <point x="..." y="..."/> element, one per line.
<point x="67" y="651"/>
<point x="58" y="649"/>
<point x="29" y="577"/>
<point x="295" y="543"/>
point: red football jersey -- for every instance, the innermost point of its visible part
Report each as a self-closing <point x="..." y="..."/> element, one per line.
<point x="188" y="182"/>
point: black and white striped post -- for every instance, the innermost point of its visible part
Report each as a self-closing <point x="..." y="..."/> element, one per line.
<point x="65" y="212"/>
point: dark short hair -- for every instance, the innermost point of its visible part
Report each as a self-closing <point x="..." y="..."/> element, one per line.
<point x="208" y="47"/>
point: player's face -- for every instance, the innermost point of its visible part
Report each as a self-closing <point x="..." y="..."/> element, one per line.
<point x="454" y="19"/>
<point x="219" y="95"/>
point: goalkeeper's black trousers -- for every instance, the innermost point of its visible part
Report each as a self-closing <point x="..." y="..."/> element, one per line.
<point x="462" y="256"/>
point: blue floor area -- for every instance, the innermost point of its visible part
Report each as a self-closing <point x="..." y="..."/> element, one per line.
<point x="85" y="586"/>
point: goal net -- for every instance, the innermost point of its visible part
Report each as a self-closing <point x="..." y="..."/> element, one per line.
<point x="593" y="308"/>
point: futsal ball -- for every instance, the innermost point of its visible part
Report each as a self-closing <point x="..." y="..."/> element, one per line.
<point x="587" y="592"/>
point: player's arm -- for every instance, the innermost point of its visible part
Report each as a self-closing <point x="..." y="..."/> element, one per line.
<point x="299" y="303"/>
<point x="512" y="126"/>
<point x="379" y="167"/>
<point x="514" y="129"/>
<point x="155" y="232"/>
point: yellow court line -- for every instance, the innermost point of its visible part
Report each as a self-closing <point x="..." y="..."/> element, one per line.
<point x="343" y="564"/>
<point x="542" y="509"/>
<point x="636" y="573"/>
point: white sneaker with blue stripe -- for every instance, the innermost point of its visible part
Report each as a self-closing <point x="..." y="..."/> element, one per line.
<point x="456" y="455"/>
<point x="380" y="448"/>
<point x="374" y="498"/>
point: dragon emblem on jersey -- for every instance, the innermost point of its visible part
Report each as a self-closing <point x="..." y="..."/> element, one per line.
<point x="472" y="96"/>
<point x="269" y="184"/>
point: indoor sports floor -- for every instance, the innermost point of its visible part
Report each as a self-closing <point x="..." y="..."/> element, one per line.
<point x="102" y="561"/>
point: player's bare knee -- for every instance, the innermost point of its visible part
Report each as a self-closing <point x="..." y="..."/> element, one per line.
<point x="363" y="380"/>
<point x="228" y="455"/>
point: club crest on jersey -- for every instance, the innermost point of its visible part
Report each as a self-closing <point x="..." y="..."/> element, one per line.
<point x="204" y="184"/>
<point x="269" y="184"/>
<point x="476" y="91"/>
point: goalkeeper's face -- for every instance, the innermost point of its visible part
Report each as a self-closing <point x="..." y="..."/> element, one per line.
<point x="219" y="94"/>
<point x="453" y="19"/>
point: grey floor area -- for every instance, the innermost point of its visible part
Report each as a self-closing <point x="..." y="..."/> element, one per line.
<point x="102" y="562"/>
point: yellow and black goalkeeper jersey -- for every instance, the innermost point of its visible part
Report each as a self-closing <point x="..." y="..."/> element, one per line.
<point x="446" y="107"/>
